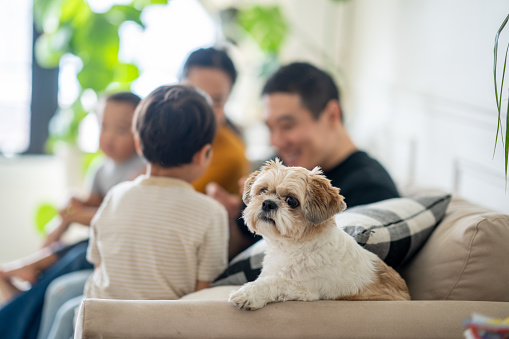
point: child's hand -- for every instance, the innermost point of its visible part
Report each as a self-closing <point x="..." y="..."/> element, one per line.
<point x="76" y="203"/>
<point x="70" y="213"/>
<point x="71" y="208"/>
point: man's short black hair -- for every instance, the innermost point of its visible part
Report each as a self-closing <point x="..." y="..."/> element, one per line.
<point x="173" y="123"/>
<point x="314" y="86"/>
<point x="127" y="97"/>
<point x="210" y="58"/>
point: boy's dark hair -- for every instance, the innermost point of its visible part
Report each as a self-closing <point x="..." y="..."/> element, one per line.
<point x="124" y="97"/>
<point x="314" y="86"/>
<point x="173" y="123"/>
<point x="210" y="58"/>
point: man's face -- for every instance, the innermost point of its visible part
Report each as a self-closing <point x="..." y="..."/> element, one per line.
<point x="298" y="138"/>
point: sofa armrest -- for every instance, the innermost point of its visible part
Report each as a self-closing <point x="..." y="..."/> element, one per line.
<point x="464" y="258"/>
<point x="320" y="319"/>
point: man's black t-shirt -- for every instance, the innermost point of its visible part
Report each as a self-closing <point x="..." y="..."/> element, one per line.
<point x="361" y="180"/>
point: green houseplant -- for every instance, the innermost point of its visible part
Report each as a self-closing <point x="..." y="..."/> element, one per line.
<point x="267" y="26"/>
<point x="72" y="27"/>
<point x="499" y="88"/>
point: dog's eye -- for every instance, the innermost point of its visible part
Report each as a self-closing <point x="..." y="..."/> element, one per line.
<point x="263" y="190"/>
<point x="292" y="202"/>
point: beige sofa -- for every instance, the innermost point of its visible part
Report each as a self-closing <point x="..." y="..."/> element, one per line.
<point x="462" y="268"/>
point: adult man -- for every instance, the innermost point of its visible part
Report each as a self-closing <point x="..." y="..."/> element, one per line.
<point x="303" y="114"/>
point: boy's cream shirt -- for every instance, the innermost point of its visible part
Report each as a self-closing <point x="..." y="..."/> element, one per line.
<point x="153" y="238"/>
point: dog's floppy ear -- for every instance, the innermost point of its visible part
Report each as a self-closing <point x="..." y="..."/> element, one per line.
<point x="323" y="200"/>
<point x="246" y="195"/>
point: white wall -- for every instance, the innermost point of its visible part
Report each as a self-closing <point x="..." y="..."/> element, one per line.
<point x="417" y="85"/>
<point x="25" y="182"/>
<point x="424" y="73"/>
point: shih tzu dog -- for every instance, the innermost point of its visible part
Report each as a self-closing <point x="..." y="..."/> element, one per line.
<point x="308" y="257"/>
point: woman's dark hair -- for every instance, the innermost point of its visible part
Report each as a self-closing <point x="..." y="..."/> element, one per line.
<point x="127" y="97"/>
<point x="173" y="123"/>
<point x="211" y="58"/>
<point x="315" y="87"/>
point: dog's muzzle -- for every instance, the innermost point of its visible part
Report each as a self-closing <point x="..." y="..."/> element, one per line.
<point x="269" y="206"/>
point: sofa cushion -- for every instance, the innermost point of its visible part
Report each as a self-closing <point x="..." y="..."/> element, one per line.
<point x="393" y="229"/>
<point x="464" y="259"/>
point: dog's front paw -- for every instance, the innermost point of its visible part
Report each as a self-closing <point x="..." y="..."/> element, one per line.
<point x="246" y="299"/>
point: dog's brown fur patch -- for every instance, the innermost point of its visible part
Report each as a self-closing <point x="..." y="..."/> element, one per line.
<point x="324" y="200"/>
<point x="388" y="286"/>
<point x="246" y="196"/>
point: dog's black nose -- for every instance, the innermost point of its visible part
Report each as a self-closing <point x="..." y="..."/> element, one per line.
<point x="269" y="205"/>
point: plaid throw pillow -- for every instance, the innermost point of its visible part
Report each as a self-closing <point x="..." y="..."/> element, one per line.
<point x="393" y="229"/>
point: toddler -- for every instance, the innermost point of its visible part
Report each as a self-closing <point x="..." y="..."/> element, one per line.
<point x="121" y="163"/>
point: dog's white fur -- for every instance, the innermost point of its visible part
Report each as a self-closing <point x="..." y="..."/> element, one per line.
<point x="308" y="257"/>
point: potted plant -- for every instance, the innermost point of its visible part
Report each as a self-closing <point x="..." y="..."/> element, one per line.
<point x="499" y="88"/>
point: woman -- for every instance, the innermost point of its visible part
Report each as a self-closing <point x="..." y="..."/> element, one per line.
<point x="212" y="70"/>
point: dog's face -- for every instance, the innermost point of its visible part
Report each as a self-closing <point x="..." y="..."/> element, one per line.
<point x="289" y="202"/>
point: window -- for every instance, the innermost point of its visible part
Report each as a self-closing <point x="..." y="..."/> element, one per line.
<point x="15" y="75"/>
<point x="171" y="33"/>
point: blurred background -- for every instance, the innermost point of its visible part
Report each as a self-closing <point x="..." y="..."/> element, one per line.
<point x="416" y="81"/>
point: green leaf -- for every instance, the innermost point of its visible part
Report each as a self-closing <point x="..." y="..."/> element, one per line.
<point x="121" y="13"/>
<point x="498" y="97"/>
<point x="266" y="25"/>
<point x="47" y="15"/>
<point x="74" y="10"/>
<point x="96" y="75"/>
<point x="97" y="39"/>
<point x="43" y="215"/>
<point x="125" y="73"/>
<point x="141" y="4"/>
<point x="495" y="65"/>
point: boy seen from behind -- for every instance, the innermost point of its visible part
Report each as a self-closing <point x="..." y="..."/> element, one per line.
<point x="156" y="237"/>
